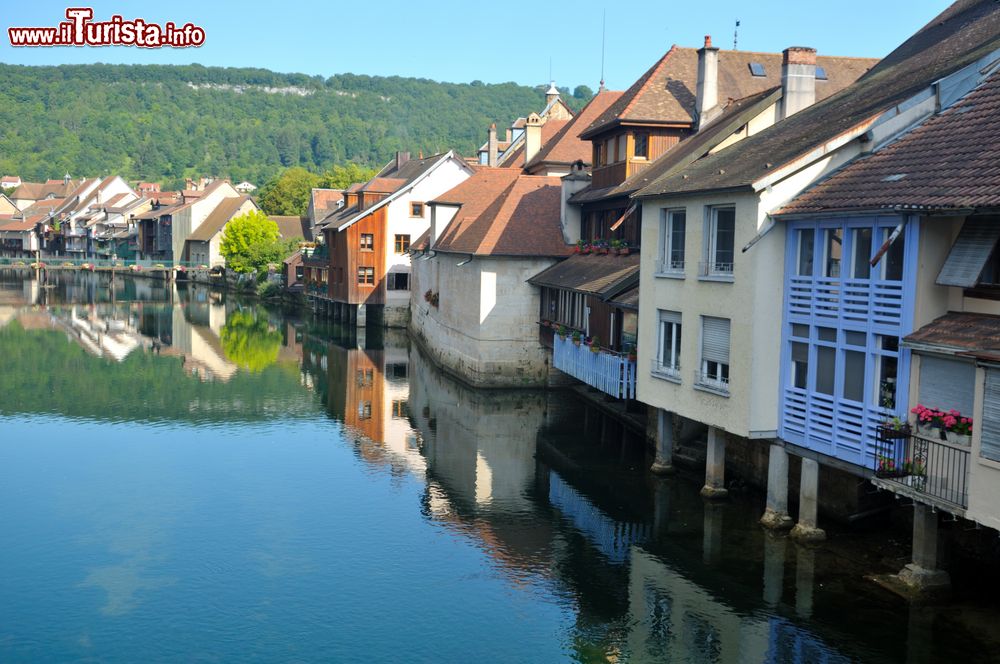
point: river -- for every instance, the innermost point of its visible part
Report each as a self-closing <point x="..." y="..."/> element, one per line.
<point x="187" y="476"/>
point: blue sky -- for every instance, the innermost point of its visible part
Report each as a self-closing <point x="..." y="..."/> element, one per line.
<point x="464" y="41"/>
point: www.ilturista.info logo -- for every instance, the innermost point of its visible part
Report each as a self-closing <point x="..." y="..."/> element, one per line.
<point x="80" y="30"/>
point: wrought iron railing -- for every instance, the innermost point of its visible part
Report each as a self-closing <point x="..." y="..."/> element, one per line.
<point x="923" y="464"/>
<point x="715" y="269"/>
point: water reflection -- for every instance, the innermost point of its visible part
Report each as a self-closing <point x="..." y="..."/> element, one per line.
<point x="226" y="499"/>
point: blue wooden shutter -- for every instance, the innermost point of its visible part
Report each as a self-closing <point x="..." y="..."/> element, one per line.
<point x="969" y="254"/>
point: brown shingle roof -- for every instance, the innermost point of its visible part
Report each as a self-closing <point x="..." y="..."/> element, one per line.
<point x="960" y="332"/>
<point x="590" y="273"/>
<point x="383" y="185"/>
<point x="504" y="213"/>
<point x="950" y="161"/>
<point x="218" y="218"/>
<point x="565" y="146"/>
<point x="292" y="226"/>
<point x="965" y="32"/>
<point x="665" y="94"/>
<point x="37" y="191"/>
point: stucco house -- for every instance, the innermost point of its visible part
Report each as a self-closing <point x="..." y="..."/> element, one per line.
<point x="203" y="244"/>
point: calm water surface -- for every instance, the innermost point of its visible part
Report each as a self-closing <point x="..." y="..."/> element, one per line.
<point x="188" y="477"/>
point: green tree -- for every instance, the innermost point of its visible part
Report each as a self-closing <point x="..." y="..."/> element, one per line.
<point x="583" y="92"/>
<point x="342" y="177"/>
<point x="289" y="192"/>
<point x="249" y="341"/>
<point x="250" y="242"/>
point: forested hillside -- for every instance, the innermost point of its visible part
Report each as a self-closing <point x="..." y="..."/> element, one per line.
<point x="159" y="122"/>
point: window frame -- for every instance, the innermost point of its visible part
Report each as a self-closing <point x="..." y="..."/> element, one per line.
<point x="413" y="206"/>
<point x="400" y="240"/>
<point x="668" y="367"/>
<point x="635" y="145"/>
<point x="711" y="271"/>
<point x="364" y="273"/>
<point x="371" y="242"/>
<point x="666" y="265"/>
<point x="714" y="375"/>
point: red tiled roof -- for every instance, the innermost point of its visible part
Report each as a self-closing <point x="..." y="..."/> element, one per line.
<point x="665" y="93"/>
<point x="504" y="213"/>
<point x="950" y="161"/>
<point x="383" y="185"/>
<point x="960" y="332"/>
<point x="549" y="130"/>
<point x="565" y="145"/>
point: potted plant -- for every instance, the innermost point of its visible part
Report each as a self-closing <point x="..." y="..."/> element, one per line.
<point x="586" y="248"/>
<point x="561" y="331"/>
<point x="894" y="429"/>
<point x="576" y="337"/>
<point x="623" y="249"/>
<point x="630" y="353"/>
<point x="595" y="345"/>
<point x="930" y="421"/>
<point x="602" y="248"/>
<point x="957" y="429"/>
<point x="616" y="246"/>
<point x="580" y="244"/>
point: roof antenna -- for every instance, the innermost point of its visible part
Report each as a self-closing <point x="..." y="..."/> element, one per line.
<point x="736" y="33"/>
<point x="604" y="30"/>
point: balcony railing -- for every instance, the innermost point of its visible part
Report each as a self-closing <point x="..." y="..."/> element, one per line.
<point x="667" y="371"/>
<point x="609" y="372"/>
<point x="714" y="269"/>
<point x="670" y="268"/>
<point x="921" y="466"/>
<point x="711" y="382"/>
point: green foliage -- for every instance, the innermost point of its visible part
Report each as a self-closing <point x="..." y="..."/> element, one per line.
<point x="268" y="289"/>
<point x="248" y="340"/>
<point x="342" y="177"/>
<point x="583" y="92"/>
<point x="168" y="122"/>
<point x="250" y="242"/>
<point x="288" y="193"/>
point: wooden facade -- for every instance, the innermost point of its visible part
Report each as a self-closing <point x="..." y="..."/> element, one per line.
<point x="350" y="252"/>
<point x="615" y="152"/>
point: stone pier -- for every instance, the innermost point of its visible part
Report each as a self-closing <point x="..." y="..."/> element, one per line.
<point x="663" y="464"/>
<point x="806" y="530"/>
<point x="715" y="465"/>
<point x="776" y="513"/>
<point x="922" y="574"/>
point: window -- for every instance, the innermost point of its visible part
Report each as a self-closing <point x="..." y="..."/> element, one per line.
<point x="364" y="410"/>
<point x="641" y="150"/>
<point x="366" y="276"/>
<point x="715" y="353"/>
<point x="399" y="408"/>
<point x="364" y="377"/>
<point x="609" y="149"/>
<point x="668" y="356"/>
<point x="672" y="232"/>
<point x="886" y="366"/>
<point x="416" y="210"/>
<point x="721" y="240"/>
<point x="397" y="281"/>
<point x="947" y="384"/>
<point x="367" y="242"/>
<point x="800" y="364"/>
<point x="862" y="249"/>
<point x="402" y="244"/>
<point x="757" y="70"/>
<point x="621" y="148"/>
<point x="892" y="261"/>
<point x="821" y="73"/>
<point x="807" y="243"/>
<point x="833" y="243"/>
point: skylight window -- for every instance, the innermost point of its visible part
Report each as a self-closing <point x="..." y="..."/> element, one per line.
<point x="757" y="69"/>
<point x="820" y="73"/>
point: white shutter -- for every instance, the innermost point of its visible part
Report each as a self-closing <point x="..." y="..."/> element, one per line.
<point x="715" y="339"/>
<point x="969" y="254"/>
<point x="947" y="384"/>
<point x="990" y="426"/>
<point x="670" y="317"/>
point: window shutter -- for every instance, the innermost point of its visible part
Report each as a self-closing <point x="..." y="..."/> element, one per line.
<point x="715" y="340"/>
<point x="947" y="384"/>
<point x="969" y="254"/>
<point x="670" y="317"/>
<point x="990" y="426"/>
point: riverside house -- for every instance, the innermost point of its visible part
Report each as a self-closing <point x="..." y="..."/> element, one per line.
<point x="712" y="336"/>
<point x="366" y="252"/>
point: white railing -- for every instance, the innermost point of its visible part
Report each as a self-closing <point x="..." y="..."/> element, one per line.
<point x="711" y="382"/>
<point x="610" y="373"/>
<point x="713" y="269"/>
<point x="665" y="370"/>
<point x="669" y="267"/>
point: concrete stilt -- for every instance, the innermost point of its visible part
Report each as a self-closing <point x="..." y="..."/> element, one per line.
<point x="663" y="464"/>
<point x="776" y="513"/>
<point x="715" y="466"/>
<point x="922" y="574"/>
<point x="806" y="529"/>
<point x="774" y="568"/>
<point x="805" y="580"/>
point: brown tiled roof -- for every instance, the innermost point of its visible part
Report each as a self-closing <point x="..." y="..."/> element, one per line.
<point x="504" y="213"/>
<point x="384" y="185"/>
<point x="292" y="226"/>
<point x="325" y="201"/>
<point x="217" y="218"/>
<point x="565" y="146"/>
<point x="960" y="332"/>
<point x="422" y="241"/>
<point x="27" y="223"/>
<point x="965" y="32"/>
<point x="735" y="115"/>
<point x="951" y="161"/>
<point x="114" y="200"/>
<point x="589" y="273"/>
<point x="665" y="94"/>
<point x="354" y="187"/>
<point x="550" y="129"/>
<point x="37" y="191"/>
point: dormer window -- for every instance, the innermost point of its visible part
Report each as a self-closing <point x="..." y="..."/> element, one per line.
<point x="757" y="70"/>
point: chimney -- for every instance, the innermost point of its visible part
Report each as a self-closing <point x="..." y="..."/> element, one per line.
<point x="401" y="158"/>
<point x="509" y="135"/>
<point x="569" y="215"/>
<point x="491" y="159"/>
<point x="707" y="94"/>
<point x="798" y="79"/>
<point x="532" y="136"/>
<point x="551" y="94"/>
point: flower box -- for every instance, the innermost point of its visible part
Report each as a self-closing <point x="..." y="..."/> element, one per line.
<point x="894" y="433"/>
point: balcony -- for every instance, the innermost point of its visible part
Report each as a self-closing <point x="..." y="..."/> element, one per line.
<point x="611" y="373"/>
<point x="923" y="468"/>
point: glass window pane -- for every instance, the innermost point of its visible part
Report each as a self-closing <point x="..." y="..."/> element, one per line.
<point x="725" y="236"/>
<point x="893" y="260"/>
<point x="856" y="339"/>
<point x="800" y="364"/>
<point x="862" y="241"/>
<point x="799" y="330"/>
<point x="807" y="239"/>
<point x="826" y="362"/>
<point x="827" y="333"/>
<point x="854" y="375"/>
<point x="885" y="391"/>
<point x="832" y="251"/>
<point x="678" y="223"/>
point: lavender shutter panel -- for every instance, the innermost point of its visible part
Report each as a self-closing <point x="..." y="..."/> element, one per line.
<point x="990" y="426"/>
<point x="969" y="254"/>
<point x="947" y="384"/>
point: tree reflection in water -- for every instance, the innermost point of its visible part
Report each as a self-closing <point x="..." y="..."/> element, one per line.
<point x="249" y="340"/>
